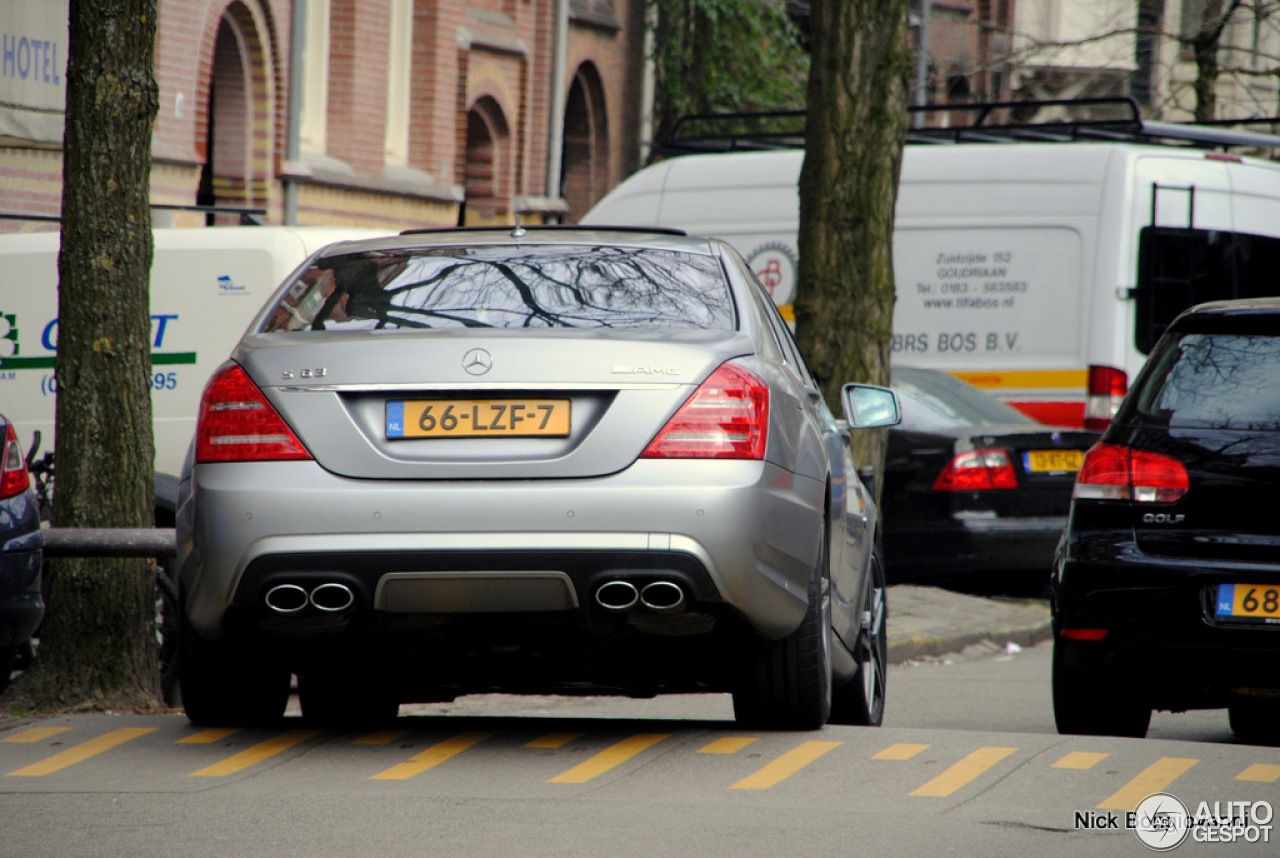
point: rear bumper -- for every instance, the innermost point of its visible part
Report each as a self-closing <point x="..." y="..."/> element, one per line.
<point x="739" y="537"/>
<point x="972" y="545"/>
<point x="1162" y="636"/>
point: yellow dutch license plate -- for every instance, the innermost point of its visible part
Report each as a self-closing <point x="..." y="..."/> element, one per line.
<point x="1254" y="602"/>
<point x="1041" y="461"/>
<point x="477" y="418"/>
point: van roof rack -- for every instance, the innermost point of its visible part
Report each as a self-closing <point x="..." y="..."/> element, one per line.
<point x="1116" y="120"/>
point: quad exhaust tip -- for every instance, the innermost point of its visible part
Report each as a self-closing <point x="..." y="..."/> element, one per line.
<point x="661" y="597"/>
<point x="330" y="598"/>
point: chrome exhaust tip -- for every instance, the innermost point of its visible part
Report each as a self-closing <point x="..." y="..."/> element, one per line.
<point x="332" y="597"/>
<point x="286" y="598"/>
<point x="663" y="597"/>
<point x="617" y="595"/>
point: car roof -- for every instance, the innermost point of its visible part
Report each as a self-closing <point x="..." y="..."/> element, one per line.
<point x="650" y="237"/>
<point x="1237" y="307"/>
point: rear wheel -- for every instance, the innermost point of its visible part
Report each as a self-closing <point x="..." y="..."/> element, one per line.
<point x="223" y="686"/>
<point x="1255" y="719"/>
<point x="788" y="687"/>
<point x="861" y="700"/>
<point x="1086" y="704"/>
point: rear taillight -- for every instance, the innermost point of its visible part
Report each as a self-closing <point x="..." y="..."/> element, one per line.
<point x="1107" y="386"/>
<point x="14" y="476"/>
<point x="727" y="417"/>
<point x="237" y="424"/>
<point x="977" y="470"/>
<point x="1112" y="472"/>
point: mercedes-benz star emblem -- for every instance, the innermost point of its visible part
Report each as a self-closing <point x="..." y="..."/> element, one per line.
<point x="477" y="362"/>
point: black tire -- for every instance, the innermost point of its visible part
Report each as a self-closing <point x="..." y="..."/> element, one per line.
<point x="345" y="698"/>
<point x="861" y="700"/>
<point x="7" y="659"/>
<point x="1255" y="719"/>
<point x="168" y="634"/>
<point x="1087" y="704"/>
<point x="225" y="687"/>
<point x="788" y="685"/>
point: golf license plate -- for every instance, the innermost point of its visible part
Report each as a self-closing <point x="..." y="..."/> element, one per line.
<point x="1042" y="461"/>
<point x="477" y="418"/>
<point x="1248" y="603"/>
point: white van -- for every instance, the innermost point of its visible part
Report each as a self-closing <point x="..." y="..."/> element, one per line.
<point x="1041" y="272"/>
<point x="206" y="286"/>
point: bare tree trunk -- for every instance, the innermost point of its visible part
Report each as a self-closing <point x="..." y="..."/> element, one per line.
<point x="859" y="83"/>
<point x="1206" y="40"/>
<point x="97" y="647"/>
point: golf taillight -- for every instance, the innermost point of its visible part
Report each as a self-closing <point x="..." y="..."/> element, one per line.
<point x="1113" y="472"/>
<point x="977" y="470"/>
<point x="727" y="417"/>
<point x="14" y="476"/>
<point x="237" y="424"/>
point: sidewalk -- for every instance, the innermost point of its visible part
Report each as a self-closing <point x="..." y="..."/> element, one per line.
<point x="932" y="621"/>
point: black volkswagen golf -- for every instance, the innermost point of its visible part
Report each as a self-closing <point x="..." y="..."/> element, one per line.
<point x="1166" y="583"/>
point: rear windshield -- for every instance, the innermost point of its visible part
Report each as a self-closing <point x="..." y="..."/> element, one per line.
<point x="937" y="400"/>
<point x="544" y="286"/>
<point x="1221" y="381"/>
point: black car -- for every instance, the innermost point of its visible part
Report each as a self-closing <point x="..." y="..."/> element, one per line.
<point x="972" y="486"/>
<point x="1166" y="587"/>
<point x="21" y="552"/>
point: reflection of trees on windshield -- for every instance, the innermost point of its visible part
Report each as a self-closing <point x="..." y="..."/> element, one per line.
<point x="509" y="287"/>
<point x="1226" y="381"/>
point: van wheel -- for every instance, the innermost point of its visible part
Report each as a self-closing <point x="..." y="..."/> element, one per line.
<point x="221" y="686"/>
<point x="861" y="700"/>
<point x="1086" y="704"/>
<point x="789" y="683"/>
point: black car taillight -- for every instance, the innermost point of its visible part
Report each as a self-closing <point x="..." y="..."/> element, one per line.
<point x="14" y="476"/>
<point x="977" y="470"/>
<point x="1113" y="472"/>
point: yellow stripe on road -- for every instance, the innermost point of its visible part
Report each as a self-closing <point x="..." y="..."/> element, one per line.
<point x="256" y="754"/>
<point x="83" y="751"/>
<point x="1154" y="778"/>
<point x="1262" y="773"/>
<point x="900" y="751"/>
<point x="208" y="737"/>
<point x="786" y="765"/>
<point x="35" y="734"/>
<point x="963" y="772"/>
<point x="609" y="758"/>
<point x="432" y="757"/>
<point x="554" y="740"/>
<point x="727" y="745"/>
<point x="1080" y="760"/>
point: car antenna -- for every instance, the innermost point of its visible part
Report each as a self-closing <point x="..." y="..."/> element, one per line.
<point x="519" y="231"/>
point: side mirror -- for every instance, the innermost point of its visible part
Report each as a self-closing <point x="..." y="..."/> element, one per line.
<point x="867" y="406"/>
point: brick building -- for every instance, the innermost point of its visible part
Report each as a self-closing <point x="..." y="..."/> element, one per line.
<point x="391" y="113"/>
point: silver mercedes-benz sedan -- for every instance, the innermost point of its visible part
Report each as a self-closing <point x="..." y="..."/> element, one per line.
<point x="555" y="460"/>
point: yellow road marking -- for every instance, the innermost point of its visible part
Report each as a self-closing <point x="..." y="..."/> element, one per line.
<point x="554" y="740"/>
<point x="609" y="758"/>
<point x="83" y="751"/>
<point x="207" y="737"/>
<point x="786" y="765"/>
<point x="727" y="745"/>
<point x="963" y="772"/>
<point x="35" y="734"/>
<point x="1154" y="778"/>
<point x="432" y="757"/>
<point x="1080" y="760"/>
<point x="899" y="751"/>
<point x="254" y="755"/>
<point x="1263" y="773"/>
<point x="382" y="737"/>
